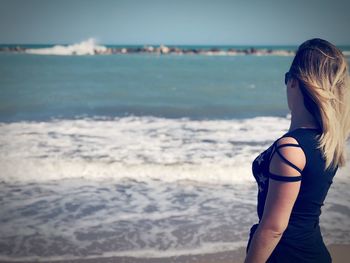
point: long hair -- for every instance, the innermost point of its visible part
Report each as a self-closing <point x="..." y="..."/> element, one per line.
<point x="322" y="72"/>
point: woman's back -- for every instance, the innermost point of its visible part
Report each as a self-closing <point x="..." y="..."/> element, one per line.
<point x="315" y="181"/>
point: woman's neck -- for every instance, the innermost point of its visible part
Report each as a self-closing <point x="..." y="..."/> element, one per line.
<point x="302" y="121"/>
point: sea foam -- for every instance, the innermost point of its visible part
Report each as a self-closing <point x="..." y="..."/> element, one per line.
<point x="135" y="147"/>
<point x="138" y="186"/>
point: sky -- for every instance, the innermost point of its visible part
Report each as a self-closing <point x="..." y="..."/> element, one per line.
<point x="176" y="22"/>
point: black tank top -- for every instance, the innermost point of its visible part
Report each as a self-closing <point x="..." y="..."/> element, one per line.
<point x="302" y="240"/>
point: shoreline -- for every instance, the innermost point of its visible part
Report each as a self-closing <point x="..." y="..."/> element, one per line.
<point x="340" y="254"/>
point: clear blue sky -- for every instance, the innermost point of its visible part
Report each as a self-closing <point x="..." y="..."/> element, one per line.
<point x="236" y="22"/>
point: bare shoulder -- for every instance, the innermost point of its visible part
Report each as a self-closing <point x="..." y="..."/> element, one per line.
<point x="290" y="150"/>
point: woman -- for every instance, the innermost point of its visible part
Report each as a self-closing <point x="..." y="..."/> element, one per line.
<point x="296" y="171"/>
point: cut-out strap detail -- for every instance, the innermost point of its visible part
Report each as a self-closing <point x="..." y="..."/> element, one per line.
<point x="288" y="144"/>
<point x="284" y="159"/>
<point x="285" y="178"/>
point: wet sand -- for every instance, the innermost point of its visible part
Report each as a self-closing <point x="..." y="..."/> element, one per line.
<point x="340" y="254"/>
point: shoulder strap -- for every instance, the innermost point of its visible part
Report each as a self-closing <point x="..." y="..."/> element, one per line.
<point x="285" y="178"/>
<point x="284" y="159"/>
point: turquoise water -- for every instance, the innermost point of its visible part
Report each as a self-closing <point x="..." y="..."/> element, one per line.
<point x="199" y="87"/>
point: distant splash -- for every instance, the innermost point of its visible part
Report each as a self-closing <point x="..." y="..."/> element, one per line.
<point x="87" y="47"/>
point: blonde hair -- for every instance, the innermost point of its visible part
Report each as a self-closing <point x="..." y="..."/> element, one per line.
<point x="323" y="75"/>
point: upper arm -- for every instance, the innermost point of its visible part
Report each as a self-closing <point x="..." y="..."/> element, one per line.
<point x="284" y="189"/>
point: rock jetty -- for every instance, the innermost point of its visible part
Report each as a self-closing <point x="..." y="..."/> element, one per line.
<point x="159" y="50"/>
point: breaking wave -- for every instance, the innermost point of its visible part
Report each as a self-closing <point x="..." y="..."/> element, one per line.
<point x="87" y="47"/>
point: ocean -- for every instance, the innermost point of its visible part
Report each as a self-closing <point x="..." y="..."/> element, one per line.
<point x="139" y="154"/>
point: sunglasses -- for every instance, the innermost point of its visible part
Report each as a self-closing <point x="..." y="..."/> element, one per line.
<point x="287" y="77"/>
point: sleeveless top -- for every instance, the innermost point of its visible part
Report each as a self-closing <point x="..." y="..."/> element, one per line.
<point x="302" y="239"/>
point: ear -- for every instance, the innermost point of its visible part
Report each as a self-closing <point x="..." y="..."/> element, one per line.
<point x="294" y="83"/>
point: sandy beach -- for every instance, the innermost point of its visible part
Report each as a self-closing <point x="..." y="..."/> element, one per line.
<point x="340" y="254"/>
